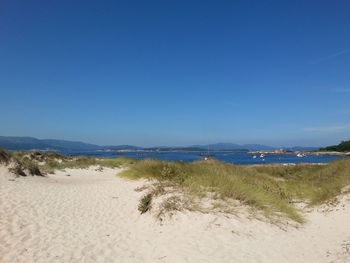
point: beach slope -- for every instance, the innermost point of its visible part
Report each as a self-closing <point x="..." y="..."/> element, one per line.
<point x="89" y="215"/>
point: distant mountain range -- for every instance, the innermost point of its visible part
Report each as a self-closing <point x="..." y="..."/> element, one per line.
<point x="30" y="143"/>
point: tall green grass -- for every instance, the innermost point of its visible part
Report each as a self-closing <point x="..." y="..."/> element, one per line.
<point x="313" y="183"/>
<point x="271" y="190"/>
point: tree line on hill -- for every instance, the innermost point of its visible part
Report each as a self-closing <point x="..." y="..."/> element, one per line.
<point x="344" y="146"/>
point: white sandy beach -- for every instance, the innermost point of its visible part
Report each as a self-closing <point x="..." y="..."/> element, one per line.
<point x="92" y="216"/>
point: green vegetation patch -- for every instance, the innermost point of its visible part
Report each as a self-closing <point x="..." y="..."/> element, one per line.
<point x="5" y="157"/>
<point x="21" y="164"/>
<point x="344" y="146"/>
<point x="270" y="189"/>
<point x="39" y="163"/>
<point x="145" y="203"/>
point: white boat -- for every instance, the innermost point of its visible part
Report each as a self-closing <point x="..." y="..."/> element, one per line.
<point x="262" y="155"/>
<point x="254" y="156"/>
<point x="300" y="155"/>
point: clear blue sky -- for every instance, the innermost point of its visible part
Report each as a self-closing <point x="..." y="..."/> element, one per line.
<point x="176" y="72"/>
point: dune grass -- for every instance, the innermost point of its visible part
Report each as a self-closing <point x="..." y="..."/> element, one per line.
<point x="38" y="163"/>
<point x="272" y="190"/>
<point x="145" y="203"/>
<point x="84" y="162"/>
<point x="21" y="165"/>
<point x="5" y="157"/>
<point x="313" y="183"/>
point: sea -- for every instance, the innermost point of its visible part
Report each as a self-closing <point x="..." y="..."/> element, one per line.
<point x="241" y="158"/>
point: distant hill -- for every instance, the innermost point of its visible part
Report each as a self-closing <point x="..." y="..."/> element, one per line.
<point x="72" y="145"/>
<point x="344" y="146"/>
<point x="21" y="143"/>
<point x="30" y="143"/>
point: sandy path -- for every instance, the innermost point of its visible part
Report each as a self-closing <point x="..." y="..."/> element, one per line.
<point x="92" y="216"/>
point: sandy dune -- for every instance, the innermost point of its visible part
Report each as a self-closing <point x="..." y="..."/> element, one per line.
<point x="91" y="216"/>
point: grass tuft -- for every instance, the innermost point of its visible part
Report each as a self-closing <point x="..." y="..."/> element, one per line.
<point x="145" y="203"/>
<point x="169" y="205"/>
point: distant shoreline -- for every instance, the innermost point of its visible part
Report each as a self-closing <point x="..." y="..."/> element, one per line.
<point x="306" y="153"/>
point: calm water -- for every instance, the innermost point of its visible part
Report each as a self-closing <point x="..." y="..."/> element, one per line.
<point x="229" y="157"/>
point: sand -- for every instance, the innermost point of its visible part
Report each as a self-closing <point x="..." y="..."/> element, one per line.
<point x="92" y="216"/>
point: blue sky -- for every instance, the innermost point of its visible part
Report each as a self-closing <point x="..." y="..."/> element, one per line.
<point x="176" y="72"/>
